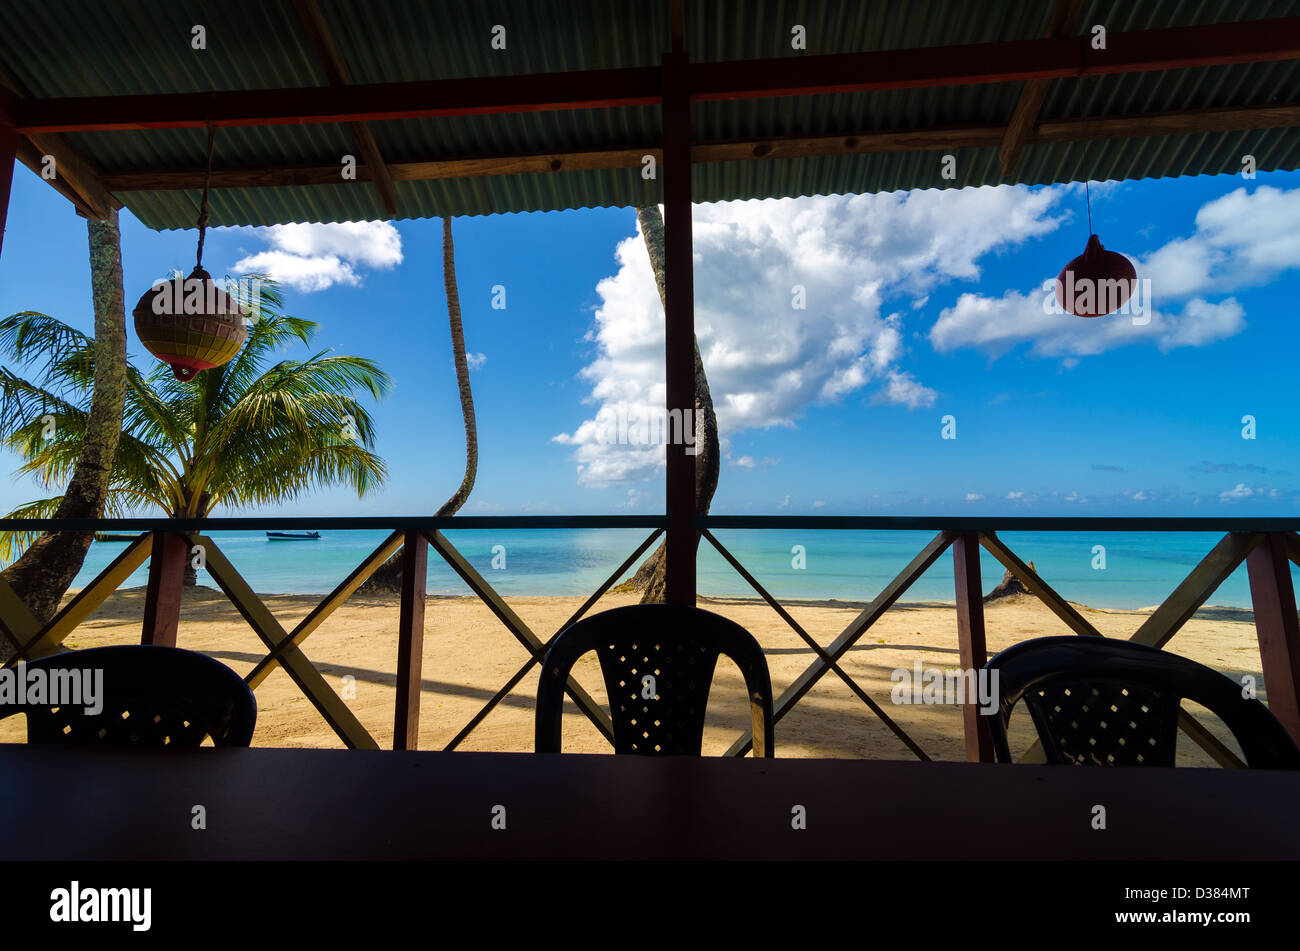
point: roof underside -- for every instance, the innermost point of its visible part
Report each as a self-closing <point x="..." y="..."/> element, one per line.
<point x="143" y="47"/>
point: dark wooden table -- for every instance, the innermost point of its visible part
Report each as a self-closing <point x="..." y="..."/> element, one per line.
<point x="323" y="804"/>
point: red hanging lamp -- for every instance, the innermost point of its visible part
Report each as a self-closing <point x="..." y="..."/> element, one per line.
<point x="1097" y="282"/>
<point x="192" y="324"/>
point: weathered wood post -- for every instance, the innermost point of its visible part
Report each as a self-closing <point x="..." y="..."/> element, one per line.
<point x="162" y="602"/>
<point x="970" y="637"/>
<point x="410" y="641"/>
<point x="1277" y="628"/>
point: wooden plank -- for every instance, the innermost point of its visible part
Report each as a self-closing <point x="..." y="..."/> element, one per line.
<point x="849" y="636"/>
<point x="1213" y="44"/>
<point x="17" y="622"/>
<point x="328" y="606"/>
<point x="309" y="680"/>
<point x="1195" y="589"/>
<point x="327" y="52"/>
<point x="537" y="656"/>
<point x="85" y="601"/>
<point x="1065" y="14"/>
<point x="857" y="143"/>
<point x="817" y="649"/>
<point x="410" y="641"/>
<point x="515" y="625"/>
<point x="1037" y="586"/>
<point x="971" y="640"/>
<point x="679" y="334"/>
<point x="1277" y="628"/>
<point x="1292" y="547"/>
<point x="162" y="604"/>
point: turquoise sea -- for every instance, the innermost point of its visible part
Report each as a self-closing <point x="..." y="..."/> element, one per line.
<point x="1141" y="568"/>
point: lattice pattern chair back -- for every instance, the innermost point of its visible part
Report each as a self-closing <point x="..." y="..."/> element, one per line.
<point x="1102" y="702"/>
<point x="658" y="662"/>
<point x="150" y="696"/>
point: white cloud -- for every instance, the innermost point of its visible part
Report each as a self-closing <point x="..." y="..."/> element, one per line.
<point x="973" y="496"/>
<point x="767" y="362"/>
<point x="996" y="325"/>
<point x="1240" y="491"/>
<point x="744" y="462"/>
<point x="313" y="257"/>
<point x="1015" y="496"/>
<point x="819" y="503"/>
<point x="476" y="361"/>
<point x="1242" y="239"/>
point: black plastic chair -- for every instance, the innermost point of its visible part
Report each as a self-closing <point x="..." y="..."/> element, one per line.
<point x="150" y="696"/>
<point x="1096" y="701"/>
<point x="676" y="645"/>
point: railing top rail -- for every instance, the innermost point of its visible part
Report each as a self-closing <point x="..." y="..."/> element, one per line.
<point x="995" y="523"/>
<point x="335" y="523"/>
<point x="812" y="522"/>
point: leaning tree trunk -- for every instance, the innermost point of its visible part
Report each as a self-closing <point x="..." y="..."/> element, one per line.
<point x="388" y="577"/>
<point x="45" y="571"/>
<point x="651" y="577"/>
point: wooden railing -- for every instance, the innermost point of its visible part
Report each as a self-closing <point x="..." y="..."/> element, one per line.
<point x="1267" y="546"/>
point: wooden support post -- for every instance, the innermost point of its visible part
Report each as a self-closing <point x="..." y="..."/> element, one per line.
<point x="679" y="333"/>
<point x="970" y="635"/>
<point x="410" y="641"/>
<point x="162" y="604"/>
<point x="8" y="151"/>
<point x="1277" y="628"/>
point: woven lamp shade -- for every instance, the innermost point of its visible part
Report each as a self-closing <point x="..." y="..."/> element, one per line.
<point x="191" y="325"/>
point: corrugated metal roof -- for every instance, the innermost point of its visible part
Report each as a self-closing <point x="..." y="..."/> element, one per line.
<point x="141" y="47"/>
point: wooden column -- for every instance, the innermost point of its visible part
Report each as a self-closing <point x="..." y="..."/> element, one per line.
<point x="410" y="641"/>
<point x="970" y="636"/>
<point x="1276" y="626"/>
<point x="679" y="331"/>
<point x="8" y="150"/>
<point x="162" y="602"/>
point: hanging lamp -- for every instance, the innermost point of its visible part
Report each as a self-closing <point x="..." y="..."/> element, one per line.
<point x="1097" y="282"/>
<point x="192" y="324"/>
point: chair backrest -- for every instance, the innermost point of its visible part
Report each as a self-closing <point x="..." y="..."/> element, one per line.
<point x="1103" y="702"/>
<point x="147" y="696"/>
<point x="658" y="661"/>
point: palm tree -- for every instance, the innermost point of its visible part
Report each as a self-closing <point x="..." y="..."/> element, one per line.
<point x="651" y="578"/>
<point x="47" y="568"/>
<point x="388" y="576"/>
<point x="243" y="434"/>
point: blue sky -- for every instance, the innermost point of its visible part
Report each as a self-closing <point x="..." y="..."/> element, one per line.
<point x="919" y="306"/>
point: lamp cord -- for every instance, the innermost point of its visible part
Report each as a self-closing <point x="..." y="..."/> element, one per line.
<point x="203" y="206"/>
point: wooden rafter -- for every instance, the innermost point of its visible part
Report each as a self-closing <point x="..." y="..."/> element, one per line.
<point x="1215" y="44"/>
<point x="75" y="177"/>
<point x="336" y="71"/>
<point x="1065" y="15"/>
<point x="1179" y="123"/>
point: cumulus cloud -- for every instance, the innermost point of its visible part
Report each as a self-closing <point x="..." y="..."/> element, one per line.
<point x="767" y="360"/>
<point x="314" y="257"/>
<point x="1242" y="239"/>
<point x="997" y="324"/>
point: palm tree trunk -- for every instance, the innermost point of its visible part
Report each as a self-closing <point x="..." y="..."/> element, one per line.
<point x="651" y="577"/>
<point x="388" y="577"/>
<point x="45" y="571"/>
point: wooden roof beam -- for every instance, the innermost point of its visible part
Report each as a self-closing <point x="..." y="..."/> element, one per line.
<point x="1136" y="126"/>
<point x="1213" y="44"/>
<point x="1065" y="16"/>
<point x="75" y="176"/>
<point x="336" y="71"/>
